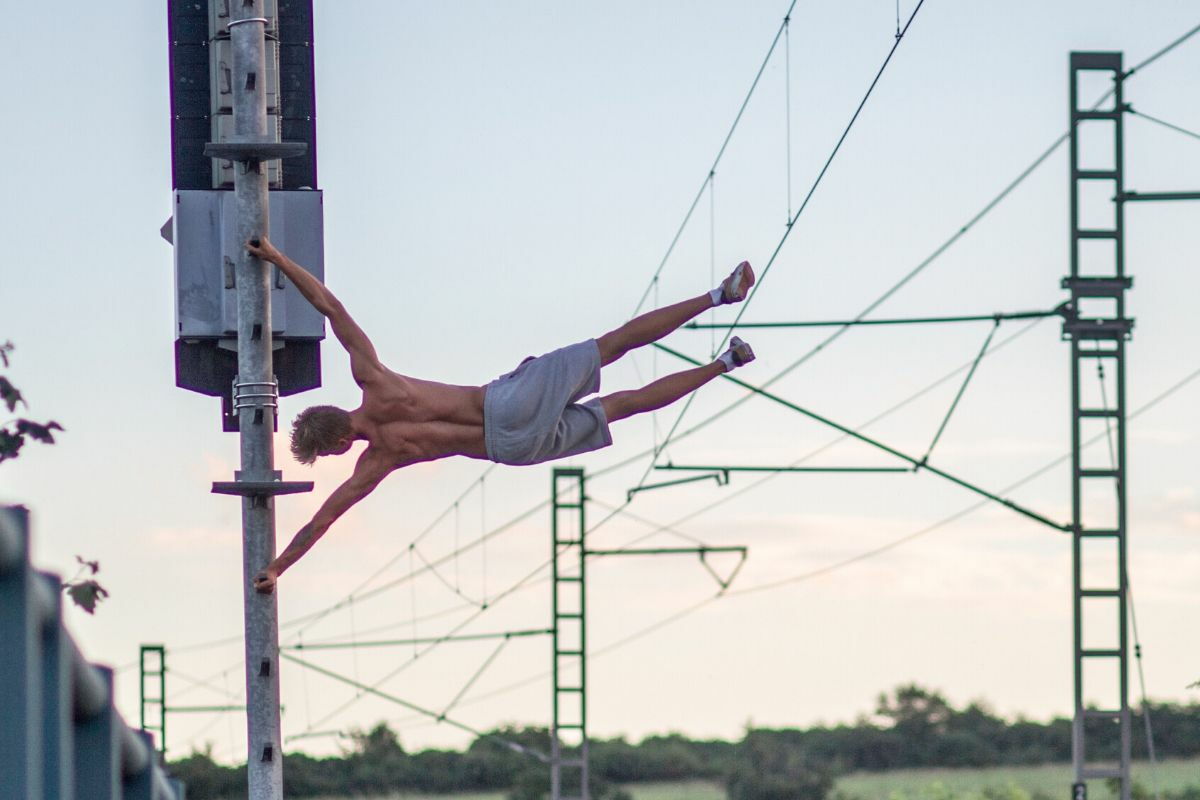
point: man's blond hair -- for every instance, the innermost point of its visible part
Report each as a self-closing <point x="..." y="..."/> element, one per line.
<point x="317" y="430"/>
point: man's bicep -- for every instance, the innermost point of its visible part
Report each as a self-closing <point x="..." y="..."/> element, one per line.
<point x="364" y="361"/>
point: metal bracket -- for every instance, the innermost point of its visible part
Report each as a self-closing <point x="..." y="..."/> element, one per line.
<point x="233" y="22"/>
<point x="254" y="152"/>
<point x="255" y="398"/>
<point x="261" y="488"/>
<point x="721" y="477"/>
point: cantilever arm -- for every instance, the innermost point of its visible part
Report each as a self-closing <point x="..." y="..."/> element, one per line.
<point x="877" y="444"/>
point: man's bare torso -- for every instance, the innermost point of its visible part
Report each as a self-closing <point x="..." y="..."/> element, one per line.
<point x="407" y="420"/>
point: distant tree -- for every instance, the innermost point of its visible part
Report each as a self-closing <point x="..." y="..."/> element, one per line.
<point x="770" y="766"/>
<point x="914" y="710"/>
<point x="207" y="780"/>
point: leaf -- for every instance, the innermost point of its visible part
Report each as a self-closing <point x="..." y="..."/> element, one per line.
<point x="38" y="430"/>
<point x="86" y="594"/>
<point x="10" y="394"/>
<point x="94" y="566"/>
<point x="5" y="349"/>
<point x="10" y="444"/>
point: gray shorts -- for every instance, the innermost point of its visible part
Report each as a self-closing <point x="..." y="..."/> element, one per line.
<point x="532" y="415"/>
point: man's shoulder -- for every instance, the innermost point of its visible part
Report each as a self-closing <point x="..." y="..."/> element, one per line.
<point x="375" y="462"/>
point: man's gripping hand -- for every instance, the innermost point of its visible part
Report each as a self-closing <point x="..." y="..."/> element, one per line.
<point x="262" y="248"/>
<point x="264" y="582"/>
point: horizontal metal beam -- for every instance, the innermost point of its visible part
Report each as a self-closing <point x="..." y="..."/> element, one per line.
<point x="202" y="709"/>
<point x="260" y="488"/>
<point x="1132" y="197"/>
<point x="465" y="637"/>
<point x="719" y="477"/>
<point x="780" y="469"/>
<point x="997" y="317"/>
<point x="665" y="551"/>
<point x="1031" y="514"/>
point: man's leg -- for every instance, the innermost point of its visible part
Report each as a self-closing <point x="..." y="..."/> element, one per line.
<point x="667" y="390"/>
<point x="650" y="327"/>
<point x="654" y="325"/>
<point x="662" y="392"/>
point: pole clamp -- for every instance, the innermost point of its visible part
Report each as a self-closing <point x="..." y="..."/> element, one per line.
<point x="255" y="394"/>
<point x="263" y="20"/>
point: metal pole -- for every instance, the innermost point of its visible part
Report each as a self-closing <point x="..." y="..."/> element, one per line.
<point x="256" y="420"/>
<point x="1104" y="328"/>
<point x="568" y="726"/>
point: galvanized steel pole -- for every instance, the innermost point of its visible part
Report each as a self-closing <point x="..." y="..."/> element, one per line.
<point x="256" y="415"/>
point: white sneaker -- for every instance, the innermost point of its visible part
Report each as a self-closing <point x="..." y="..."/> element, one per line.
<point x="735" y="288"/>
<point x="739" y="354"/>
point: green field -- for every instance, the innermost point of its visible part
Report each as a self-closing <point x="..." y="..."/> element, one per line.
<point x="919" y="784"/>
<point x="1051" y="779"/>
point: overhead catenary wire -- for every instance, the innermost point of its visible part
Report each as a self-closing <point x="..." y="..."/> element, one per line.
<point x="712" y="170"/>
<point x="1020" y="509"/>
<point x="441" y="639"/>
<point x="1042" y="470"/>
<point x="360" y="592"/>
<point x="836" y="566"/>
<point x="450" y="635"/>
<point x="843" y="563"/>
<point x="979" y="504"/>
<point x="1156" y="55"/>
<point x="365" y="689"/>
<point x="886" y="547"/>
<point x="919" y="268"/>
<point x="315" y="616"/>
<point x="658" y="528"/>
<point x="946" y="245"/>
<point x="1132" y="71"/>
<point x="615" y="511"/>
<point x="475" y="677"/>
<point x="1162" y="122"/>
<point x="787" y="107"/>
<point x="961" y="391"/>
<point x="824" y="169"/>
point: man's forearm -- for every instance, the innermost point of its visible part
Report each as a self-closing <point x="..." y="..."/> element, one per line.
<point x="300" y="544"/>
<point x="313" y="290"/>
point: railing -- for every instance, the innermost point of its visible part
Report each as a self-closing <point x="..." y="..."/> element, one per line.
<point x="60" y="736"/>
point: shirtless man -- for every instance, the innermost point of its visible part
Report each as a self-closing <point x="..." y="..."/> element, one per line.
<point x="530" y="415"/>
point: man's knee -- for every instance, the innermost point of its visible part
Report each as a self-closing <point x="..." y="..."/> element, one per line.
<point x="617" y="405"/>
<point x="611" y="347"/>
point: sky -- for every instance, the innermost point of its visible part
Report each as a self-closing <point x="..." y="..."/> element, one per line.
<point x="504" y="179"/>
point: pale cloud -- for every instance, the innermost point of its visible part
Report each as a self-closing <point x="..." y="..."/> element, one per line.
<point x="1179" y="494"/>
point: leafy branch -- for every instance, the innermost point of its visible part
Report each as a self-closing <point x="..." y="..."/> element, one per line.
<point x="86" y="592"/>
<point x="14" y="432"/>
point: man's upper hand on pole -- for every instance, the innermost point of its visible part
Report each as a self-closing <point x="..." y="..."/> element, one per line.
<point x="262" y="248"/>
<point x="264" y="582"/>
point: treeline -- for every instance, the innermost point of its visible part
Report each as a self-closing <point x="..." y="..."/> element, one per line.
<point x="912" y="727"/>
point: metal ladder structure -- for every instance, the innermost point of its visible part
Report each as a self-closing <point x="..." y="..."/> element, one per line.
<point x="568" y="731"/>
<point x="1097" y="330"/>
<point x="152" y="661"/>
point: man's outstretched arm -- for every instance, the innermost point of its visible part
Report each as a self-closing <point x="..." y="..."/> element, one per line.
<point x="367" y="475"/>
<point x="364" y="363"/>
